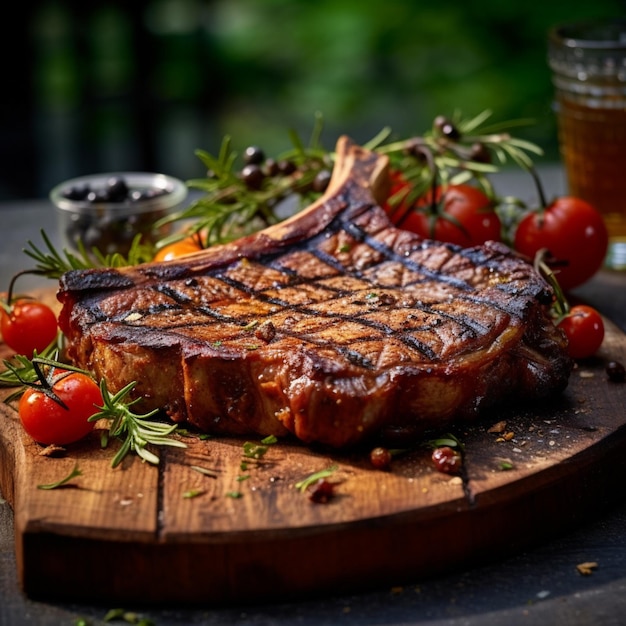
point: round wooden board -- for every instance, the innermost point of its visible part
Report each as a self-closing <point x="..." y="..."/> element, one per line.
<point x="251" y="535"/>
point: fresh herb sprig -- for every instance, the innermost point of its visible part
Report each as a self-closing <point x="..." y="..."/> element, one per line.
<point x="135" y="430"/>
<point x="20" y="371"/>
<point x="457" y="150"/>
<point x="51" y="263"/>
<point x="454" y="150"/>
<point x="233" y="206"/>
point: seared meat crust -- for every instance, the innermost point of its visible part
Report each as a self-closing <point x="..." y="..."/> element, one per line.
<point x="332" y="325"/>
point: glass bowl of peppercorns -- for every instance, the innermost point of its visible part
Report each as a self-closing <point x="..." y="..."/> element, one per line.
<point x="107" y="211"/>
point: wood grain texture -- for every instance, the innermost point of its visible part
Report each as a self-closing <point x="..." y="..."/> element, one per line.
<point x="144" y="540"/>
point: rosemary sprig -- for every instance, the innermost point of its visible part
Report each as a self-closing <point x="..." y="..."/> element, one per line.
<point x="457" y="151"/>
<point x="135" y="430"/>
<point x="231" y="208"/>
<point x="53" y="264"/>
<point x="20" y="371"/>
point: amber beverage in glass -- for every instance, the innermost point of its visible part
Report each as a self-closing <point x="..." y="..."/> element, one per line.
<point x="588" y="62"/>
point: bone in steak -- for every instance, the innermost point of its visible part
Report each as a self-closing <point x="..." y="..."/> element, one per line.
<point x="332" y="325"/>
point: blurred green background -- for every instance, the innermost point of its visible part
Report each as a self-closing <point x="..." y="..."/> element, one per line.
<point x="111" y="86"/>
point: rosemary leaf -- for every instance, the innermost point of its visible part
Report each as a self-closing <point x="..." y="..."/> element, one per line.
<point x="73" y="474"/>
<point x="135" y="430"/>
<point x="204" y="471"/>
<point x="192" y="493"/>
<point x="304" y="484"/>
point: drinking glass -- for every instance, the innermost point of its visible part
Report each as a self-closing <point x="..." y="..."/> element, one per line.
<point x="588" y="63"/>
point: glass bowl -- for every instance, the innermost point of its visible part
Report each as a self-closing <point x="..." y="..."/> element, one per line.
<point x="107" y="211"/>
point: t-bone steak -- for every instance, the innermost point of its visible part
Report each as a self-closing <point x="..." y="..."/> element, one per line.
<point x="333" y="325"/>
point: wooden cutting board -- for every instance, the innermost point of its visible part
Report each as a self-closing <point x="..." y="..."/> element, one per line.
<point x="130" y="534"/>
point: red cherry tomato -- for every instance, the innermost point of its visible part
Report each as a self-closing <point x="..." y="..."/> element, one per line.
<point x="48" y="422"/>
<point x="573" y="231"/>
<point x="461" y="214"/>
<point x="29" y="326"/>
<point x="584" y="329"/>
<point x="178" y="249"/>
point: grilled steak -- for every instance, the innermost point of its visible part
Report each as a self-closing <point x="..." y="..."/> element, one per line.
<point x="331" y="325"/>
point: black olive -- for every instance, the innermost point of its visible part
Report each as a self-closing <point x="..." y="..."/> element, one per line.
<point x="616" y="372"/>
<point x="270" y="167"/>
<point x="116" y="188"/>
<point x="447" y="128"/>
<point x="451" y="131"/>
<point x="253" y="155"/>
<point x="286" y="167"/>
<point x="320" y="182"/>
<point x="137" y="195"/>
<point x="77" y="192"/>
<point x="98" y="195"/>
<point x="479" y="153"/>
<point x="253" y="176"/>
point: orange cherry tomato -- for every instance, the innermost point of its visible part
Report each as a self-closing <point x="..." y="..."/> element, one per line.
<point x="178" y="249"/>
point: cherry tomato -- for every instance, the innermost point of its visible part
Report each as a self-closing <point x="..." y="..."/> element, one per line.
<point x="48" y="422"/>
<point x="584" y="329"/>
<point x="573" y="231"/>
<point x="462" y="215"/>
<point x="29" y="326"/>
<point x="178" y="249"/>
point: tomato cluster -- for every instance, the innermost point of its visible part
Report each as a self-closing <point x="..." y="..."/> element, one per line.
<point x="458" y="214"/>
<point x="56" y="409"/>
<point x="570" y="230"/>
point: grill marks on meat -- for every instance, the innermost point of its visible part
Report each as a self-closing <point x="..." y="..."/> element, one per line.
<point x="331" y="325"/>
